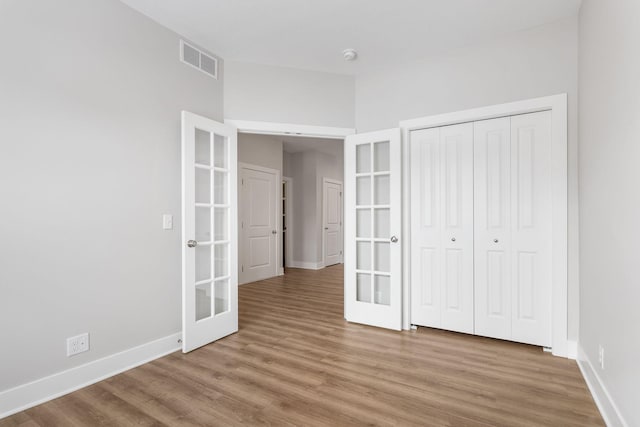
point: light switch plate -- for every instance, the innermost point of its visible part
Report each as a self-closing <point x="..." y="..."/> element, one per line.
<point x="167" y="222"/>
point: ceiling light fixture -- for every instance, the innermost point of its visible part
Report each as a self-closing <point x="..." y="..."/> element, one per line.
<point x="349" y="54"/>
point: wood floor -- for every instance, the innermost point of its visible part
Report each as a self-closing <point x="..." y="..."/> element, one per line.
<point x="295" y="361"/>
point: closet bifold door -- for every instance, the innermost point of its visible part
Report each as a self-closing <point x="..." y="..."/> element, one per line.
<point x="531" y="219"/>
<point x="492" y="235"/>
<point x="513" y="208"/>
<point x="442" y="227"/>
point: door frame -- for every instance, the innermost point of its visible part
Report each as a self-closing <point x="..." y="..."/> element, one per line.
<point x="324" y="200"/>
<point x="557" y="104"/>
<point x="288" y="223"/>
<point x="278" y="204"/>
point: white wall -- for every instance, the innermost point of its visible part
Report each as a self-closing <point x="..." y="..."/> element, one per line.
<point x="528" y="64"/>
<point x="91" y="94"/>
<point x="287" y="95"/>
<point x="610" y="198"/>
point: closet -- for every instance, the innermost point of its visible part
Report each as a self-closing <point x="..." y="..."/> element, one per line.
<point x="481" y="235"/>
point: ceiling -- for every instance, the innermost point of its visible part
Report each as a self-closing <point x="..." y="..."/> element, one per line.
<point x="311" y="34"/>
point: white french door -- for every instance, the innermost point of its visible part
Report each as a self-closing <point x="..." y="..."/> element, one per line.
<point x="373" y="225"/>
<point x="332" y="222"/>
<point x="209" y="231"/>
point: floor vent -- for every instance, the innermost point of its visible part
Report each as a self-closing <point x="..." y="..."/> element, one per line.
<point x="197" y="59"/>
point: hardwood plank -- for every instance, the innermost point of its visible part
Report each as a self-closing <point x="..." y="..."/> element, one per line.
<point x="296" y="361"/>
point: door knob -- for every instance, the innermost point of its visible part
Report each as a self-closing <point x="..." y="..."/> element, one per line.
<point x="326" y="228"/>
<point x="453" y="239"/>
<point x="274" y="232"/>
<point x="192" y="243"/>
<point x="394" y="239"/>
<point x="495" y="240"/>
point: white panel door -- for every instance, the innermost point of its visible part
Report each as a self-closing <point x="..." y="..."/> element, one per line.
<point x="426" y="229"/>
<point x="332" y="222"/>
<point x="492" y="182"/>
<point x="373" y="218"/>
<point x="258" y="223"/>
<point x="209" y="231"/>
<point x="531" y="216"/>
<point x="456" y="211"/>
<point x="442" y="227"/>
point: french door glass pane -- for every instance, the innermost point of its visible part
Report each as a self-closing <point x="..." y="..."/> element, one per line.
<point x="382" y="193"/>
<point x="382" y="224"/>
<point x="220" y="151"/>
<point x="221" y="224"/>
<point x="203" y="147"/>
<point x="203" y="185"/>
<point x="221" y="256"/>
<point x="363" y="290"/>
<point x="221" y="288"/>
<point x="203" y="262"/>
<point x="221" y="191"/>
<point x="363" y="190"/>
<point x="363" y="222"/>
<point x="381" y="259"/>
<point x="363" y="255"/>
<point x="203" y="301"/>
<point x="382" y="290"/>
<point x="363" y="158"/>
<point x="203" y="224"/>
<point x="381" y="157"/>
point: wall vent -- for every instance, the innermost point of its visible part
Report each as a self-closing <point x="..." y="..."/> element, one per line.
<point x="194" y="57"/>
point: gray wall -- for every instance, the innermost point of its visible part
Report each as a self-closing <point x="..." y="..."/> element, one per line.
<point x="529" y="64"/>
<point x="307" y="169"/>
<point x="265" y="151"/>
<point x="286" y="95"/>
<point x="609" y="195"/>
<point x="89" y="161"/>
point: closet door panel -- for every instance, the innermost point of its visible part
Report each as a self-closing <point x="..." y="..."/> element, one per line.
<point x="492" y="228"/>
<point x="456" y="190"/>
<point x="426" y="227"/>
<point x="531" y="206"/>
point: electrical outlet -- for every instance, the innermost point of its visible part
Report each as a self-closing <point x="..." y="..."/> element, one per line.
<point x="77" y="344"/>
<point x="601" y="356"/>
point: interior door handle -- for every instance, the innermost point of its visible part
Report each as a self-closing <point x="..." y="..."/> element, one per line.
<point x="326" y="228"/>
<point x="274" y="232"/>
<point x="192" y="243"/>
<point x="394" y="239"/>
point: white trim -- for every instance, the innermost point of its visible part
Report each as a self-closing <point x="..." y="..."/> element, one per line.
<point x="307" y="265"/>
<point x="558" y="106"/>
<point x="273" y="128"/>
<point x="607" y="407"/>
<point x="324" y="183"/>
<point x="48" y="388"/>
<point x="572" y="350"/>
<point x="289" y="220"/>
<point x="278" y="205"/>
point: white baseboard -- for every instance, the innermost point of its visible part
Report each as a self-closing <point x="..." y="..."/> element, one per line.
<point x="608" y="409"/>
<point x="307" y="265"/>
<point x="42" y="390"/>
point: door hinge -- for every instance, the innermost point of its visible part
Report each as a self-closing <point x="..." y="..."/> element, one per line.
<point x="340" y="252"/>
<point x="341" y="193"/>
<point x="242" y="225"/>
<point x="242" y="268"/>
<point x="242" y="181"/>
